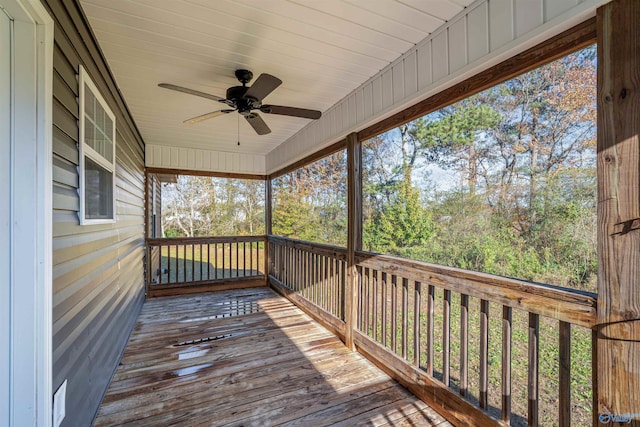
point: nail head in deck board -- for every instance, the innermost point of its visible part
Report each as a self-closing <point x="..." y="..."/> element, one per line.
<point x="274" y="368"/>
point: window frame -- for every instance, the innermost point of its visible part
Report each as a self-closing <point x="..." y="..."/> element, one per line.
<point x="87" y="151"/>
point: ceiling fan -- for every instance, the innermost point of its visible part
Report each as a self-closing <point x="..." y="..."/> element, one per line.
<point x="245" y="99"/>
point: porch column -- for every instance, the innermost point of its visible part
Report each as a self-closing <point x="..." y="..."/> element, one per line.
<point x="267" y="226"/>
<point x="618" y="331"/>
<point x="354" y="233"/>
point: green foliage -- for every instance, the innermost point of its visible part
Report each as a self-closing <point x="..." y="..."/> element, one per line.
<point x="403" y="222"/>
<point x="311" y="202"/>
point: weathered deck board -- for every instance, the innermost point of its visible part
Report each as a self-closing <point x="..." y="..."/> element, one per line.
<point x="248" y="357"/>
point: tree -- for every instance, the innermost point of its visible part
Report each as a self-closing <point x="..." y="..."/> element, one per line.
<point x="184" y="208"/>
<point x="457" y="136"/>
<point x="403" y="222"/>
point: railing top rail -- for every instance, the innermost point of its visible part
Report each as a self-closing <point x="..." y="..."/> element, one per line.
<point x="338" y="252"/>
<point x="569" y="305"/>
<point x="204" y="239"/>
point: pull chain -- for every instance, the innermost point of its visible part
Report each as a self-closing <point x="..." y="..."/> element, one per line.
<point x="238" y="130"/>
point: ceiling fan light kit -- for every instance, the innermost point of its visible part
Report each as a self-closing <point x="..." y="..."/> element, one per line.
<point x="245" y="99"/>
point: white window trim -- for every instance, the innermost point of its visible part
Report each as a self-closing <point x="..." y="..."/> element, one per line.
<point x="87" y="151"/>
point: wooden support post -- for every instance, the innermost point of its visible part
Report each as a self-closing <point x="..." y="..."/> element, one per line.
<point x="618" y="329"/>
<point x="267" y="227"/>
<point x="354" y="233"/>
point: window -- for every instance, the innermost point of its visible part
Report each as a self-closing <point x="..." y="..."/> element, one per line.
<point x="97" y="155"/>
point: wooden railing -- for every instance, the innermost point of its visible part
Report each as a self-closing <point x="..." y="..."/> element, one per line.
<point x="434" y="329"/>
<point x="313" y="275"/>
<point x="197" y="261"/>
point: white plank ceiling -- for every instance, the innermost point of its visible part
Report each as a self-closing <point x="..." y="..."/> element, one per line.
<point x="321" y="49"/>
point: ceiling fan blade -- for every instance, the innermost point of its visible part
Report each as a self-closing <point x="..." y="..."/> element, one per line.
<point x="258" y="124"/>
<point x="192" y="92"/>
<point x="291" y="111"/>
<point x="263" y="86"/>
<point x="207" y="116"/>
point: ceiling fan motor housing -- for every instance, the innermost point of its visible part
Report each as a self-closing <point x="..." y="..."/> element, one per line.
<point x="236" y="94"/>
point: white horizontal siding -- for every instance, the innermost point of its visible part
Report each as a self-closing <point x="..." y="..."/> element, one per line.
<point x="160" y="156"/>
<point x="481" y="35"/>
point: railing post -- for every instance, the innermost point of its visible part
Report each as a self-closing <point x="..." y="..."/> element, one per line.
<point x="267" y="227"/>
<point x="618" y="328"/>
<point x="354" y="233"/>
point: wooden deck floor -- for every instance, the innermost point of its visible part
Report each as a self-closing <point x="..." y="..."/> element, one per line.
<point x="248" y="357"/>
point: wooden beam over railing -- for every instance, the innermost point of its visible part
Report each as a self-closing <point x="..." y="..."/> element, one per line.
<point x="618" y="339"/>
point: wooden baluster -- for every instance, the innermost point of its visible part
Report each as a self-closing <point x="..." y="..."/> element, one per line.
<point x="313" y="259"/>
<point x="326" y="302"/>
<point x="416" y="323"/>
<point x="367" y="316"/>
<point x="360" y="296"/>
<point x="341" y="282"/>
<point x="464" y="344"/>
<point x="506" y="364"/>
<point x="314" y="272"/>
<point x="193" y="263"/>
<point x="168" y="265"/>
<point x="594" y="376"/>
<point x="446" y="337"/>
<point x="384" y="309"/>
<point x="394" y="313"/>
<point x="564" y="383"/>
<point x="215" y="261"/>
<point x="184" y="263"/>
<point x="318" y="278"/>
<point x="430" y="328"/>
<point x="201" y="262"/>
<point x="208" y="261"/>
<point x="532" y="380"/>
<point x="303" y="273"/>
<point x="405" y="316"/>
<point x="237" y="244"/>
<point x="306" y="278"/>
<point x="484" y="353"/>
<point x="297" y="261"/>
<point x="331" y="297"/>
<point x="286" y="267"/>
<point x="230" y="260"/>
<point x="302" y="285"/>
<point x="338" y="289"/>
<point x="294" y="270"/>
<point x="374" y="308"/>
<point x="244" y="258"/>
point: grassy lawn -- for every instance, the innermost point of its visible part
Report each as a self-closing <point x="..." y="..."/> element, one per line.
<point x="194" y="263"/>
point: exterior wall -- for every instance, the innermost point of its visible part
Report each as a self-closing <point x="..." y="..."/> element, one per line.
<point x="159" y="156"/>
<point x="482" y="35"/>
<point x="98" y="270"/>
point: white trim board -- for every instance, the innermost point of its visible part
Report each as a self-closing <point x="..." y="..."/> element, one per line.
<point x="25" y="363"/>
